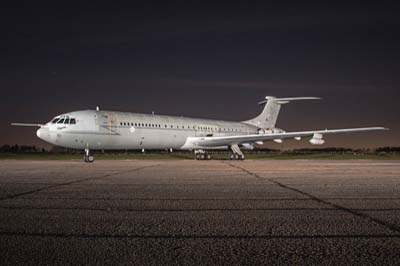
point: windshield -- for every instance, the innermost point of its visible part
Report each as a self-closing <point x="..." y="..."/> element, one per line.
<point x="64" y="120"/>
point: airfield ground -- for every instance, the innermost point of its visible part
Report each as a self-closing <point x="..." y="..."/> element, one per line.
<point x="185" y="212"/>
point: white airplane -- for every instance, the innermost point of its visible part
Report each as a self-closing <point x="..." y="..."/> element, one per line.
<point x="108" y="130"/>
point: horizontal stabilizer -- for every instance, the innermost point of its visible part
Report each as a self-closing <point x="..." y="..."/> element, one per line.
<point x="288" y="99"/>
<point x="26" y="124"/>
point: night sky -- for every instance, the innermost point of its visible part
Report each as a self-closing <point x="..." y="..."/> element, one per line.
<point x="204" y="60"/>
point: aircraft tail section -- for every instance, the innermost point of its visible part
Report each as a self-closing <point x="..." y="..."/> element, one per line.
<point x="267" y="118"/>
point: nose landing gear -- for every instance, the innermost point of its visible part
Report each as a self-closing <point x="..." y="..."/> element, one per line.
<point x="88" y="158"/>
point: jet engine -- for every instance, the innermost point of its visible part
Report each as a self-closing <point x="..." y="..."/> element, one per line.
<point x="317" y="139"/>
<point x="247" y="146"/>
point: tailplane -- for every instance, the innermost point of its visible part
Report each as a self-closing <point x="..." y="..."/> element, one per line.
<point x="267" y="118"/>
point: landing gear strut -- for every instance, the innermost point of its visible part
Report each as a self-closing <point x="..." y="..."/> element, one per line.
<point x="88" y="158"/>
<point x="236" y="153"/>
<point x="201" y="155"/>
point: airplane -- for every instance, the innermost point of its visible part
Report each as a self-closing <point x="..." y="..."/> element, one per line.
<point x="109" y="130"/>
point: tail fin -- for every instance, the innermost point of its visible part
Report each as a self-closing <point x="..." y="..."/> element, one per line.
<point x="268" y="117"/>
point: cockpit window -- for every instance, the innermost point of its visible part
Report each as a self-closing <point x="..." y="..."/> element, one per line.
<point x="60" y="121"/>
<point x="66" y="121"/>
<point x="55" y="120"/>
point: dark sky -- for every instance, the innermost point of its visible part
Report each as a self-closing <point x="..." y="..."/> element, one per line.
<point x="204" y="60"/>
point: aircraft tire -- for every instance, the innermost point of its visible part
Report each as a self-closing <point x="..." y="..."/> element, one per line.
<point x="90" y="159"/>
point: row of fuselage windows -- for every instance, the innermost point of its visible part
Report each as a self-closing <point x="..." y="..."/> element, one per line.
<point x="203" y="128"/>
<point x="69" y="121"/>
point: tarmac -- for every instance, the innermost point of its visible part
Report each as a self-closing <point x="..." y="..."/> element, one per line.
<point x="183" y="212"/>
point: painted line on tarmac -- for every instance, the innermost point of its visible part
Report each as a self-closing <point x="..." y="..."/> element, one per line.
<point x="199" y="237"/>
<point x="300" y="209"/>
<point x="209" y="199"/>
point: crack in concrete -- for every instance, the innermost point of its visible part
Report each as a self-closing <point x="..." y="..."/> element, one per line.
<point x="387" y="225"/>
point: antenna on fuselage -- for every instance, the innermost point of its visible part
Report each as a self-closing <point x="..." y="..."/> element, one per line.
<point x="97" y="108"/>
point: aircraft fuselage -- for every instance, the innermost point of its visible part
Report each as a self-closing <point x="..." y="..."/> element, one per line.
<point x="119" y="130"/>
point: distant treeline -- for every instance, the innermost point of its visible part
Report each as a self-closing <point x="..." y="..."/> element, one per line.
<point x="21" y="149"/>
<point x="330" y="150"/>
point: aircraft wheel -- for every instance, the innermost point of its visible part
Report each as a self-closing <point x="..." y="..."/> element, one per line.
<point x="236" y="156"/>
<point x="231" y="157"/>
<point x="90" y="159"/>
<point x="202" y="156"/>
<point x="208" y="157"/>
<point x="242" y="157"/>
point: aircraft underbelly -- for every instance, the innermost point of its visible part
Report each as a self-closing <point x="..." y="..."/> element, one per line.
<point x="142" y="139"/>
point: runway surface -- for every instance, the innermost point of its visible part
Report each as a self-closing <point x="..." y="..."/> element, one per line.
<point x="292" y="212"/>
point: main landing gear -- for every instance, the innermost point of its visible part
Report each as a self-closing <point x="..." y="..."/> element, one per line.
<point x="88" y="158"/>
<point x="201" y="155"/>
<point x="236" y="153"/>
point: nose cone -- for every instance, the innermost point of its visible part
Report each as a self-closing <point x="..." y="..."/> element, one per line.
<point x="43" y="133"/>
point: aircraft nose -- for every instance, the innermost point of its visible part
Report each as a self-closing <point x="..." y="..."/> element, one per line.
<point x="43" y="133"/>
<point x="39" y="133"/>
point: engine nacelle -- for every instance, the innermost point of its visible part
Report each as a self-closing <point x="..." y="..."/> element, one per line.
<point x="317" y="139"/>
<point x="247" y="146"/>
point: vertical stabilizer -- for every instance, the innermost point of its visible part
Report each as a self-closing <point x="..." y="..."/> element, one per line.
<point x="267" y="118"/>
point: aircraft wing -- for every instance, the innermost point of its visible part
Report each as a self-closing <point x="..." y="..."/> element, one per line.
<point x="240" y="139"/>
